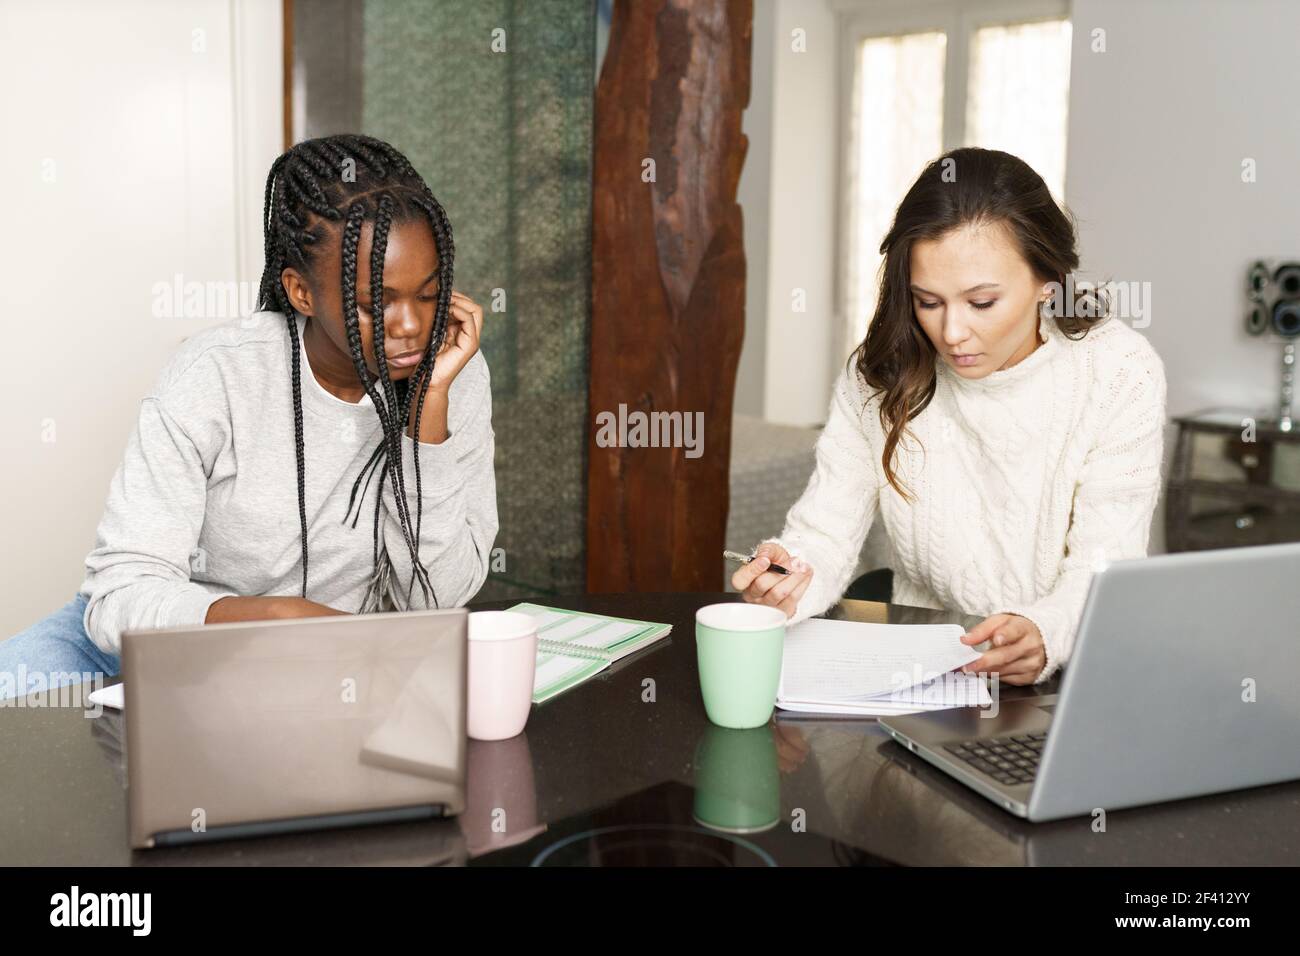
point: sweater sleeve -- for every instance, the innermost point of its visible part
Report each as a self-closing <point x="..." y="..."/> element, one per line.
<point x="827" y="526"/>
<point x="458" y="485"/>
<point x="1114" y="501"/>
<point x="138" y="575"/>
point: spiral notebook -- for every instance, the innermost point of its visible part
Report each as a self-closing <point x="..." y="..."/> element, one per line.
<point x="573" y="647"/>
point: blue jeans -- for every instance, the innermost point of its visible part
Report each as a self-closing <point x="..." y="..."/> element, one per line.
<point x="56" y="647"/>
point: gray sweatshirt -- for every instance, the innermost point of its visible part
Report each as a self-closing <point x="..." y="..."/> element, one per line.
<point x="205" y="502"/>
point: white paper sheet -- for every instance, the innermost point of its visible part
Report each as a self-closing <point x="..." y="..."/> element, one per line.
<point x="941" y="693"/>
<point x="113" y="696"/>
<point x="848" y="661"/>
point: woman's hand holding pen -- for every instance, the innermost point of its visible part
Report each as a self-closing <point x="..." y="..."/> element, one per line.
<point x="759" y="585"/>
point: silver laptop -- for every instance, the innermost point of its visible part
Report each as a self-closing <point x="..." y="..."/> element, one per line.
<point x="254" y="728"/>
<point x="1185" y="680"/>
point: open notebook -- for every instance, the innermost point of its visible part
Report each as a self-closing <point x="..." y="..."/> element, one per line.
<point x="573" y="647"/>
<point x="850" y="668"/>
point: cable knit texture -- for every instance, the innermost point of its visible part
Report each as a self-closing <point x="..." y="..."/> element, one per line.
<point x="1025" y="482"/>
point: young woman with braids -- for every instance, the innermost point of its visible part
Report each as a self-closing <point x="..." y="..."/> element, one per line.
<point x="1010" y="448"/>
<point x="359" y="384"/>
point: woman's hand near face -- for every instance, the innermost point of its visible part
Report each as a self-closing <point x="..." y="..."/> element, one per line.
<point x="758" y="585"/>
<point x="1017" y="655"/>
<point x="464" y="331"/>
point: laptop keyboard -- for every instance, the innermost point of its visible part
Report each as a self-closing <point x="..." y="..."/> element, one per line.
<point x="1008" y="760"/>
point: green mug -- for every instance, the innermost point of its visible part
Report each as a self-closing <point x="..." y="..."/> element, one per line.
<point x="739" y="650"/>
<point x="737" y="780"/>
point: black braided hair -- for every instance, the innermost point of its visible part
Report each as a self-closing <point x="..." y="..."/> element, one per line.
<point x="307" y="201"/>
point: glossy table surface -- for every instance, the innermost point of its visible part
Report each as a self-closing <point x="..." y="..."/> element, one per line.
<point x="639" y="726"/>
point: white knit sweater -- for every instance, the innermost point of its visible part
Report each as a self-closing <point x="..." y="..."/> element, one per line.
<point x="1029" y="480"/>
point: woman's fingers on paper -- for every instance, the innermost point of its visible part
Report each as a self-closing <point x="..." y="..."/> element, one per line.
<point x="994" y="660"/>
<point x="984" y="629"/>
<point x="1021" y="671"/>
<point x="1026" y="668"/>
<point x="1024" y="675"/>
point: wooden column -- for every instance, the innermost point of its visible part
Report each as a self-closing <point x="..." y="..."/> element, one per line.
<point x="668" y="287"/>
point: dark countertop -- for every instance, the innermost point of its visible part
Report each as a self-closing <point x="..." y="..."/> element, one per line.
<point x="63" y="799"/>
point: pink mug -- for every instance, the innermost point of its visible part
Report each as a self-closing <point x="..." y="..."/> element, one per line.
<point x="502" y="660"/>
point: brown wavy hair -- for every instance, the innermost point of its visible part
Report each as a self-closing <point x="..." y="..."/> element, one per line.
<point x="962" y="187"/>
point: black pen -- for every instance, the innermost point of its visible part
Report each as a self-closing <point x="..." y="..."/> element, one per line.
<point x="737" y="556"/>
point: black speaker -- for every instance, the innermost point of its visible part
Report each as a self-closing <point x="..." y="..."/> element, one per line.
<point x="1274" y="292"/>
<point x="1257" y="320"/>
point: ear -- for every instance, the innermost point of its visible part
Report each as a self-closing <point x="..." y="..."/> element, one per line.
<point x="296" y="288"/>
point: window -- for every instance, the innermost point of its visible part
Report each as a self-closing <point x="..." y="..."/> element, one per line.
<point x="898" y="128"/>
<point x="1019" y="93"/>
<point x="926" y="76"/>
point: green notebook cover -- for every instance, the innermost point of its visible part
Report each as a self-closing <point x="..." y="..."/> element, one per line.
<point x="574" y="646"/>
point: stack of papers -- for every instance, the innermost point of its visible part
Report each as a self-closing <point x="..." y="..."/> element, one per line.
<point x="856" y="669"/>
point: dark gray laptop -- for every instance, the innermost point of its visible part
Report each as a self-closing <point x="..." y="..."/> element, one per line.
<point x="266" y="727"/>
<point x="1185" y="680"/>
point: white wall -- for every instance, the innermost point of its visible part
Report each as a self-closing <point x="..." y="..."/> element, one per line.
<point x="1159" y="126"/>
<point x="137" y="139"/>
<point x="754" y="194"/>
<point x="788" y="193"/>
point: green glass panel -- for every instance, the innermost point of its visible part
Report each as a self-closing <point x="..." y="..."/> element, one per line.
<point x="503" y="137"/>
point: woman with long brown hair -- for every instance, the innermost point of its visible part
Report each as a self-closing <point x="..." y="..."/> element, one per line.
<point x="1007" y="430"/>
